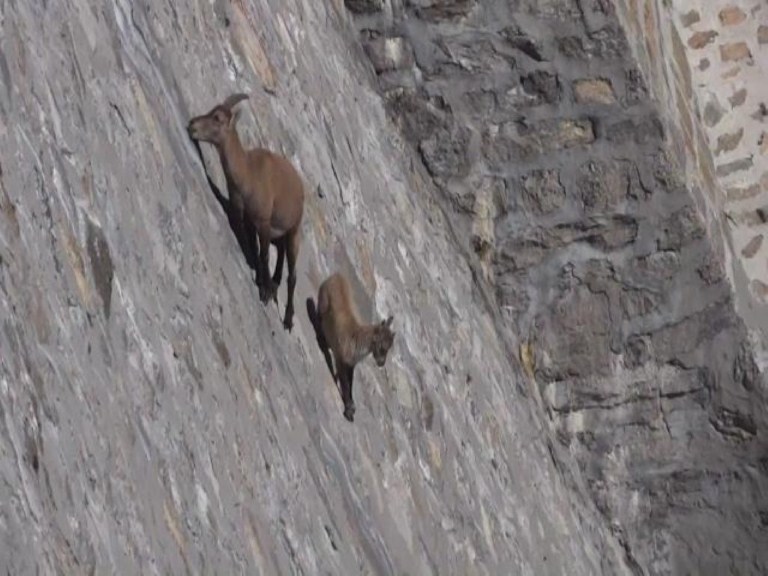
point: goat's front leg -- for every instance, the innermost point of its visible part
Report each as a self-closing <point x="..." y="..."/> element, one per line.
<point x="243" y="230"/>
<point x="346" y="374"/>
<point x="267" y="288"/>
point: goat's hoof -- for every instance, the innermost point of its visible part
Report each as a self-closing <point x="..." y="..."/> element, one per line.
<point x="267" y="293"/>
<point x="288" y="323"/>
<point x="349" y="413"/>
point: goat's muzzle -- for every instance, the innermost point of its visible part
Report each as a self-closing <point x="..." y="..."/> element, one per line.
<point x="191" y="131"/>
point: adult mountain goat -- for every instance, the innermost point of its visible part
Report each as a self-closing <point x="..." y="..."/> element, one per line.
<point x="266" y="197"/>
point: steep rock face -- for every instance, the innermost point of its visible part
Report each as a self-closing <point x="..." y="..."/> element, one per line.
<point x="535" y="122"/>
<point x="154" y="416"/>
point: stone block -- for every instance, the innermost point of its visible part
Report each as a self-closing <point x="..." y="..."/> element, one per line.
<point x="521" y="41"/>
<point x="762" y="35"/>
<point x="574" y="337"/>
<point x="543" y="86"/>
<point x="752" y="247"/>
<point x="389" y="53"/>
<point x="732" y="15"/>
<point x="713" y="112"/>
<point x="698" y="40"/>
<point x="419" y="117"/>
<point x="681" y="228"/>
<point x="520" y="141"/>
<point x="738" y="98"/>
<point x="641" y="130"/>
<point x="729" y="142"/>
<point x="635" y="85"/>
<point x="735" y="52"/>
<point x="724" y="170"/>
<point x="364" y="6"/>
<point x="690" y="18"/>
<point x="594" y="91"/>
<point x="609" y="44"/>
<point x="437" y="10"/>
<point x="602" y="186"/>
<point x="542" y="191"/>
<point x="445" y="153"/>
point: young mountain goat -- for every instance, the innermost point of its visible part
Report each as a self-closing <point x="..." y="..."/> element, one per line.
<point x="266" y="196"/>
<point x="339" y="329"/>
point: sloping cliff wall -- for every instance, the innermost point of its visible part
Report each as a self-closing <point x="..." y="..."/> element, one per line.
<point x="154" y="416"/>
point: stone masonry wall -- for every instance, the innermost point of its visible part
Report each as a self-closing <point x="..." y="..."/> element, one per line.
<point x="706" y="62"/>
<point x="608" y="259"/>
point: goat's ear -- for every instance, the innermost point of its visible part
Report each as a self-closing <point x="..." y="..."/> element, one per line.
<point x="388" y="322"/>
<point x="234" y="99"/>
<point x="234" y="118"/>
<point x="220" y="115"/>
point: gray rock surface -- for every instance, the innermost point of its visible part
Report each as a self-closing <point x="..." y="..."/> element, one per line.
<point x="154" y="416"/>
<point x="602" y="266"/>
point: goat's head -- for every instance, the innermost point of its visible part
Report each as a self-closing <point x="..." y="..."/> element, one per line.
<point x="383" y="337"/>
<point x="214" y="126"/>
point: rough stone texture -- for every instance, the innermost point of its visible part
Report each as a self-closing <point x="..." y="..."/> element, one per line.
<point x="157" y="419"/>
<point x="609" y="264"/>
<point x="154" y="416"/>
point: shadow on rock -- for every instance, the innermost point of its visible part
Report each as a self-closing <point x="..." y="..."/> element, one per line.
<point x="321" y="342"/>
<point x="223" y="201"/>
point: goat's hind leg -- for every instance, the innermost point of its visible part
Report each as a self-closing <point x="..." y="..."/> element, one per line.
<point x="251" y="244"/>
<point x="277" y="277"/>
<point x="266" y="286"/>
<point x="293" y="242"/>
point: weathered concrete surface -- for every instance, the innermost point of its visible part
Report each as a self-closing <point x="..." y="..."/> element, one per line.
<point x="154" y="417"/>
<point x="538" y="126"/>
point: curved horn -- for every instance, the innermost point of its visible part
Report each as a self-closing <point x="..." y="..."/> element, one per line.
<point x="230" y="102"/>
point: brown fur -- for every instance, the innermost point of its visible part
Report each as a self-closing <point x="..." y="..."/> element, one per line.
<point x="266" y="197"/>
<point x="348" y="338"/>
